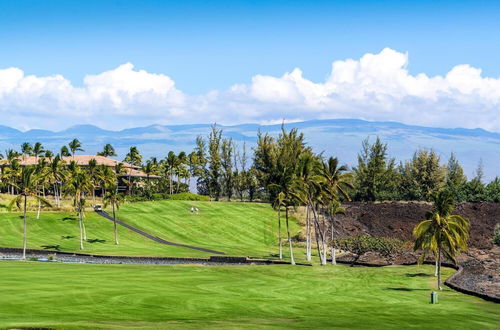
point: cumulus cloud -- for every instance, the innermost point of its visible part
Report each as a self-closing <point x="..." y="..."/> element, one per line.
<point x="373" y="87"/>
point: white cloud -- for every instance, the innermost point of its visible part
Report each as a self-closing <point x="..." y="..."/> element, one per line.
<point x="375" y="87"/>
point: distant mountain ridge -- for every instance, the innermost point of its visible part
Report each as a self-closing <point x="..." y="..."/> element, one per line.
<point x="338" y="137"/>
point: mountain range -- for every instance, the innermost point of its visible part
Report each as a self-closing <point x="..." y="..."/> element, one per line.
<point x="337" y="137"/>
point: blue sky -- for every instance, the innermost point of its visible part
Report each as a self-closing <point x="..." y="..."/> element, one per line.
<point x="204" y="46"/>
<point x="212" y="44"/>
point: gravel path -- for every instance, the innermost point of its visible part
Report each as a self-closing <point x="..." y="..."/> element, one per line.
<point x="154" y="238"/>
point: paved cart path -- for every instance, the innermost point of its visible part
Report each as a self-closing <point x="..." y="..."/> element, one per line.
<point x="154" y="238"/>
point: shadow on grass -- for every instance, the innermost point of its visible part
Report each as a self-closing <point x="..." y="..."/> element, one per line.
<point x="417" y="275"/>
<point x="96" y="240"/>
<point x="67" y="237"/>
<point x="69" y="219"/>
<point x="405" y="289"/>
<point x="52" y="247"/>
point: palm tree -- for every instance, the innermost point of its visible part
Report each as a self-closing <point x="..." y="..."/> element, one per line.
<point x="442" y="232"/>
<point x="107" y="151"/>
<point x="277" y="204"/>
<point x="28" y="187"/>
<point x="170" y="164"/>
<point x="38" y="150"/>
<point x="74" y="146"/>
<point x="333" y="209"/>
<point x="26" y="149"/>
<point x="149" y="169"/>
<point x="48" y="154"/>
<point x="64" y="152"/>
<point x="77" y="185"/>
<point x="285" y="195"/>
<point x="114" y="199"/>
<point x="56" y="177"/>
<point x="336" y="184"/>
<point x="93" y="174"/>
<point x="42" y="174"/>
<point x="133" y="157"/>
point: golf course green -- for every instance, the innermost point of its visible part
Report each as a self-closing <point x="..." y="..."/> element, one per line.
<point x="64" y="295"/>
<point x="36" y="294"/>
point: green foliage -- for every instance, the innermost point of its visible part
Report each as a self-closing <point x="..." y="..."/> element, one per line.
<point x="496" y="235"/>
<point x="375" y="173"/>
<point x="359" y="245"/>
<point x="421" y="177"/>
<point x="187" y="196"/>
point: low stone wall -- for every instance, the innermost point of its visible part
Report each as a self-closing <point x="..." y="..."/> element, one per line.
<point x="69" y="257"/>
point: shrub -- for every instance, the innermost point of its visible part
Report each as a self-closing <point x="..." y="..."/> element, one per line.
<point x="163" y="196"/>
<point x="186" y="196"/>
<point x="496" y="235"/>
<point x="359" y="245"/>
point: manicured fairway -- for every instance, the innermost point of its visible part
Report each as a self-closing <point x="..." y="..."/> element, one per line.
<point x="59" y="231"/>
<point x="243" y="229"/>
<point x="68" y="295"/>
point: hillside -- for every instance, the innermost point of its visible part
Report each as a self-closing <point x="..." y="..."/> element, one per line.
<point x="239" y="229"/>
<point x="339" y="137"/>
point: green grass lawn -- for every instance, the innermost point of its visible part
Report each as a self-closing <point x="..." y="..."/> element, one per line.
<point x="57" y="295"/>
<point x="242" y="229"/>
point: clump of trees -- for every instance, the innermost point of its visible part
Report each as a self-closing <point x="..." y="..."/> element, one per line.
<point x="378" y="177"/>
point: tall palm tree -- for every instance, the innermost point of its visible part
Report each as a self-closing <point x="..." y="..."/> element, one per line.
<point x="170" y="164"/>
<point x="56" y="177"/>
<point x="133" y="157"/>
<point x="307" y="185"/>
<point x="28" y="187"/>
<point x="114" y="199"/>
<point x="92" y="170"/>
<point x="442" y="232"/>
<point x="277" y="204"/>
<point x="337" y="181"/>
<point x="42" y="174"/>
<point x="38" y="150"/>
<point x="284" y="190"/>
<point x="26" y="149"/>
<point x="74" y="146"/>
<point x="107" y="151"/>
<point x="77" y="185"/>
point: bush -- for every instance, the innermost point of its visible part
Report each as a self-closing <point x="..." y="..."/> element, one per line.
<point x="496" y="235"/>
<point x="359" y="245"/>
<point x="163" y="196"/>
<point x="186" y="196"/>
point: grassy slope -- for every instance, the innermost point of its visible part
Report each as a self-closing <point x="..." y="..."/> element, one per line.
<point x="248" y="229"/>
<point x="66" y="295"/>
<point x="60" y="231"/>
<point x="235" y="228"/>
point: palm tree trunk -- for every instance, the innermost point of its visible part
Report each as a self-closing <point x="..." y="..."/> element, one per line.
<point x="292" y="260"/>
<point x="279" y="232"/>
<point x="334" y="261"/>
<point x="435" y="266"/>
<point x="114" y="222"/>
<point x="317" y="233"/>
<point x="25" y="229"/>
<point x="439" y="267"/>
<point x="81" y="229"/>
<point x="308" y="235"/>
<point x="39" y="207"/>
